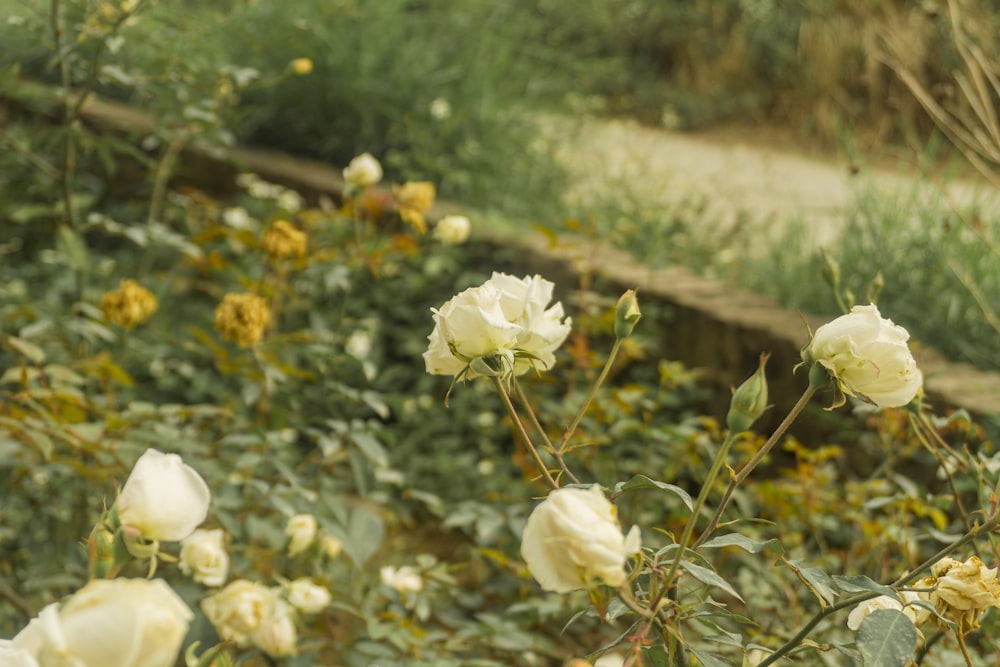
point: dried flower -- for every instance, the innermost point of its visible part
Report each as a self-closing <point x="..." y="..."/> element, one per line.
<point x="964" y="591"/>
<point x="413" y="199"/>
<point x="282" y="240"/>
<point x="129" y="305"/>
<point x="242" y="318"/>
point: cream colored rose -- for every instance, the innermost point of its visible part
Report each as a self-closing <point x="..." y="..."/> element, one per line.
<point x="403" y="579"/>
<point x="12" y="656"/>
<point x="573" y="540"/>
<point x="276" y="635"/>
<point x="307" y="597"/>
<point x="239" y="610"/>
<point x="505" y="322"/>
<point x="964" y="591"/>
<point x="452" y="229"/>
<point x="363" y="171"/>
<point x="110" y="623"/>
<point x="204" y="558"/>
<point x="868" y="357"/>
<point x="163" y="498"/>
<point x="301" y="530"/>
<point x="863" y="610"/>
<point x="331" y="546"/>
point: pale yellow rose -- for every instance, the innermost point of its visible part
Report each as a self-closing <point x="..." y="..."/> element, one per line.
<point x="276" y="635"/>
<point x="363" y="171"/>
<point x="203" y="556"/>
<point x="163" y="498"/>
<point x="403" y="579"/>
<point x="239" y="610"/>
<point x="307" y="597"/>
<point x="301" y="530"/>
<point x="452" y="229"/>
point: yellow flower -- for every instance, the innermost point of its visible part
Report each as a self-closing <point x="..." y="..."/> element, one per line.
<point x="413" y="199"/>
<point x="129" y="305"/>
<point x="282" y="240"/>
<point x="302" y="66"/>
<point x="242" y="318"/>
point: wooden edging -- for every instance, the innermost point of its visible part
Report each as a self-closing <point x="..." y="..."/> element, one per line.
<point x="714" y="325"/>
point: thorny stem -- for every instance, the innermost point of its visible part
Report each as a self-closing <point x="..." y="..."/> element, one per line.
<point x="523" y="398"/>
<point x="524" y="434"/>
<point x="753" y="462"/>
<point x="590" y="397"/>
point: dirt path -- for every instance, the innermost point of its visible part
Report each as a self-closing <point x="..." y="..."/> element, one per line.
<point x="774" y="186"/>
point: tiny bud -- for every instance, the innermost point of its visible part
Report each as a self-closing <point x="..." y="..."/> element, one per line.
<point x="749" y="400"/>
<point x="831" y="270"/>
<point x="101" y="552"/>
<point x="626" y="314"/>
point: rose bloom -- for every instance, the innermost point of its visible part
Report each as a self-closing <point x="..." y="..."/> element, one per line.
<point x="413" y="199"/>
<point x="506" y="320"/>
<point x="331" y="546"/>
<point x="203" y="556"/>
<point x="163" y="498"/>
<point x="276" y="635"/>
<point x="242" y="318"/>
<point x="239" y="610"/>
<point x="307" y="597"/>
<point x="363" y="171"/>
<point x="573" y="539"/>
<point x="868" y="356"/>
<point x="129" y="305"/>
<point x="110" y="623"/>
<point x="452" y="229"/>
<point x="12" y="656"/>
<point x="403" y="579"/>
<point x="282" y="240"/>
<point x="864" y="609"/>
<point x="301" y="530"/>
<point x="964" y="591"/>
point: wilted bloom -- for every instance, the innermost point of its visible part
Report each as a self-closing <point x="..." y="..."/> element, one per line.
<point x="163" y="498"/>
<point x="363" y="171"/>
<point x="964" y="591"/>
<point x="403" y="579"/>
<point x="239" y="610"/>
<point x="503" y="326"/>
<point x="573" y="540"/>
<point x="110" y="623"/>
<point x="242" y="318"/>
<point x="413" y="199"/>
<point x="129" y="305"/>
<point x="203" y="556"/>
<point x="307" y="597"/>
<point x="301" y="530"/>
<point x="868" y="357"/>
<point x="282" y="240"/>
<point x="452" y="229"/>
<point x="302" y="66"/>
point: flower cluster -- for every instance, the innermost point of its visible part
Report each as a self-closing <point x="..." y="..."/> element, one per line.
<point x="129" y="305"/>
<point x="503" y="326"/>
<point x="242" y="318"/>
<point x="282" y="240"/>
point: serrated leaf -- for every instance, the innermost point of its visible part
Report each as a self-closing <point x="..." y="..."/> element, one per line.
<point x="643" y="482"/>
<point x="709" y="577"/>
<point x="745" y="543"/>
<point x="862" y="584"/>
<point x="886" y="638"/>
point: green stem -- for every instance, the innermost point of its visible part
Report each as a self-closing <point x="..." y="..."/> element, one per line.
<point x="590" y="397"/>
<point x="757" y="458"/>
<point x="523" y="398"/>
<point x="524" y="433"/>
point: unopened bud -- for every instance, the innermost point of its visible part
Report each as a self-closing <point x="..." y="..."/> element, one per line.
<point x="749" y="400"/>
<point x="831" y="270"/>
<point x="626" y="314"/>
<point x="101" y="548"/>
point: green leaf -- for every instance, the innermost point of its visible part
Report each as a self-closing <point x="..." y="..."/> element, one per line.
<point x="74" y="248"/>
<point x="364" y="535"/>
<point x="371" y="448"/>
<point x="745" y="543"/>
<point x="34" y="354"/>
<point x="818" y="581"/>
<point x="643" y="482"/>
<point x="707" y="576"/>
<point x="886" y="638"/>
<point x="862" y="584"/>
<point x="710" y="660"/>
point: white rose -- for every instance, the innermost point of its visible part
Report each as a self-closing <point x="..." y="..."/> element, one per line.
<point x="307" y="597"/>
<point x="110" y="623"/>
<point x="469" y="326"/>
<point x="301" y="530"/>
<point x="868" y="356"/>
<point x="331" y="546"/>
<point x="276" y="635"/>
<point x="610" y="660"/>
<point x="863" y="610"/>
<point x="405" y="578"/>
<point x="239" y="610"/>
<point x="573" y="539"/>
<point x="452" y="229"/>
<point x="163" y="498"/>
<point x="12" y="656"/>
<point x="203" y="556"/>
<point x="525" y="301"/>
<point x="364" y="170"/>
